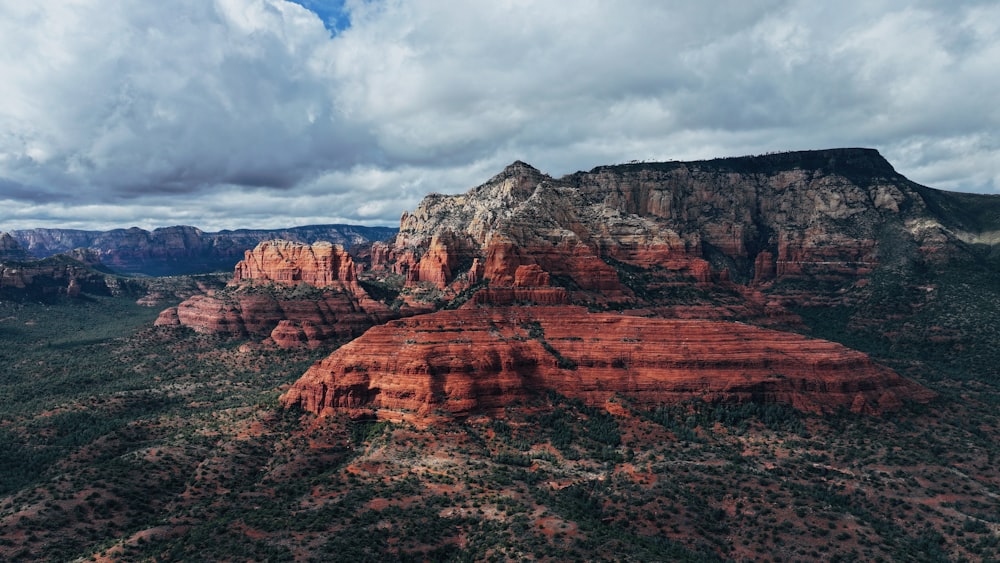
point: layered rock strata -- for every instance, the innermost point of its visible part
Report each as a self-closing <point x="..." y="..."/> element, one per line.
<point x="320" y="264"/>
<point x="454" y="363"/>
<point x="58" y="275"/>
<point x="21" y="275"/>
<point x="747" y="238"/>
<point x="760" y="222"/>
<point x="290" y="293"/>
<point x="286" y="320"/>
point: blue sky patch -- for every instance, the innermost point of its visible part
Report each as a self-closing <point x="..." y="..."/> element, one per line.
<point x="332" y="12"/>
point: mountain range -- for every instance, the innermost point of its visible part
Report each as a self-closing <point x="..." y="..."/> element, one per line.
<point x="714" y="243"/>
<point x="181" y="249"/>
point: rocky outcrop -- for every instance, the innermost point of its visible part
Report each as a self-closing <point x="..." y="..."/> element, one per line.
<point x="320" y="264"/>
<point x="70" y="274"/>
<point x="287" y="293"/>
<point x="182" y="249"/>
<point x="21" y="275"/>
<point x="517" y="223"/>
<point x="87" y="256"/>
<point x="454" y="363"/>
<point x="288" y="321"/>
<point x="55" y="276"/>
<point x="10" y="249"/>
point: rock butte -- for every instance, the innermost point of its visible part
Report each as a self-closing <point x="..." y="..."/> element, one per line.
<point x="54" y="277"/>
<point x="320" y="264"/>
<point x="454" y="363"/>
<point x="261" y="300"/>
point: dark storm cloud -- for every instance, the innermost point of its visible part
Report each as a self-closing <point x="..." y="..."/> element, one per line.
<point x="18" y="192"/>
<point x="236" y="113"/>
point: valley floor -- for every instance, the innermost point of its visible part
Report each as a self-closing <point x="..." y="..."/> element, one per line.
<point x="123" y="442"/>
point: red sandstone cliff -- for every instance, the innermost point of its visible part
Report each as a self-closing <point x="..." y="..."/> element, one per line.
<point x="290" y="293"/>
<point x="454" y="363"/>
<point x="320" y="264"/>
<point x="706" y="242"/>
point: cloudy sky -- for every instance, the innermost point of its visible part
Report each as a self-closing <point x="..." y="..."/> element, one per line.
<point x="267" y="113"/>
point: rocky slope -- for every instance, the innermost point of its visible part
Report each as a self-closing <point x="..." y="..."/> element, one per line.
<point x="288" y="293"/>
<point x="455" y="363"/>
<point x="182" y="249"/>
<point x="23" y="276"/>
<point x="55" y="276"/>
<point x="828" y="217"/>
<point x="10" y="249"/>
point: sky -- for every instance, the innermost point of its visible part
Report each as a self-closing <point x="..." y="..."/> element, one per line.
<point x="228" y="114"/>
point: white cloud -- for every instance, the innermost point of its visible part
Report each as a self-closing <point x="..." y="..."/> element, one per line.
<point x="231" y="113"/>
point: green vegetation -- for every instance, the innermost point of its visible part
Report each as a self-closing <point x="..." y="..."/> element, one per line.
<point x="463" y="297"/>
<point x="536" y="332"/>
<point x="945" y="321"/>
<point x="301" y="291"/>
<point x="685" y="418"/>
<point x="386" y="289"/>
<point x="657" y="285"/>
<point x="167" y="445"/>
<point x="104" y="419"/>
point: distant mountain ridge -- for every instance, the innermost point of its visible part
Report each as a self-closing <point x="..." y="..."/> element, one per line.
<point x="10" y="249"/>
<point x="71" y="273"/>
<point x="183" y="249"/>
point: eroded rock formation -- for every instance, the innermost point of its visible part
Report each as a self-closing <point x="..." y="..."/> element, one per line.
<point x="22" y="275"/>
<point x="609" y="235"/>
<point x="287" y="320"/>
<point x="320" y="264"/>
<point x="290" y="293"/>
<point x="679" y="249"/>
<point x="454" y="363"/>
<point x="58" y="275"/>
